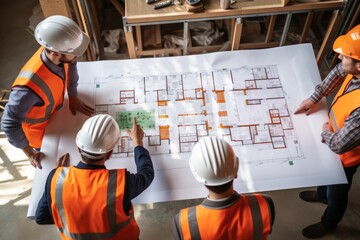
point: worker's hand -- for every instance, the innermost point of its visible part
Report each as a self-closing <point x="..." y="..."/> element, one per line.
<point x="136" y="134"/>
<point x="33" y="156"/>
<point x="75" y="104"/>
<point x="327" y="127"/>
<point x="63" y="161"/>
<point x="306" y="106"/>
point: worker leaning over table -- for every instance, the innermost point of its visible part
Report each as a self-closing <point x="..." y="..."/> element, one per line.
<point x="341" y="133"/>
<point x="87" y="201"/>
<point x="38" y="91"/>
<point x="224" y="214"/>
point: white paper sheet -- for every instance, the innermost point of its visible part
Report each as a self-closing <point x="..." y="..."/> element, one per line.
<point x="248" y="97"/>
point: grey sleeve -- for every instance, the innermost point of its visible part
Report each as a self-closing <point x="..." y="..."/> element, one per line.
<point x="176" y="227"/>
<point x="21" y="100"/>
<point x="271" y="209"/>
<point x="73" y="78"/>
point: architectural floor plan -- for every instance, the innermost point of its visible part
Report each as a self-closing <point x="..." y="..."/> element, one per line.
<point x="246" y="106"/>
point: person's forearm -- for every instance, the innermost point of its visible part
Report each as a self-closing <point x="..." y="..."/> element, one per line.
<point x="143" y="162"/>
<point x="335" y="77"/>
<point x="338" y="143"/>
<point x="42" y="214"/>
<point x="73" y="78"/>
<point x="137" y="183"/>
<point x="14" y="132"/>
<point x="347" y="138"/>
<point x="21" y="100"/>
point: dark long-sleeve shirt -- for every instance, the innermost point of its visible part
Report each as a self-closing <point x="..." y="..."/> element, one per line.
<point x="135" y="184"/>
<point x="22" y="99"/>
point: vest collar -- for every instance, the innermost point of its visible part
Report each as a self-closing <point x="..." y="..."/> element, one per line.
<point x="220" y="204"/>
<point x="58" y="70"/>
<point x="82" y="165"/>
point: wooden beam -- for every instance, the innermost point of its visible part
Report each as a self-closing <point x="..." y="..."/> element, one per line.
<point x="55" y="7"/>
<point x="270" y="29"/>
<point x="333" y="24"/>
<point x="238" y="26"/>
<point x="118" y="7"/>
<point x="90" y="51"/>
<point x="130" y="41"/>
<point x="139" y="38"/>
<point x="307" y="25"/>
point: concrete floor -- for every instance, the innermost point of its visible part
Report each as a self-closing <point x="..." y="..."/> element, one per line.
<point x="155" y="220"/>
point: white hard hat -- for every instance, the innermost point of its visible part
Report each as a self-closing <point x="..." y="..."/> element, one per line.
<point x="61" y="34"/>
<point x="98" y="135"/>
<point x="213" y="161"/>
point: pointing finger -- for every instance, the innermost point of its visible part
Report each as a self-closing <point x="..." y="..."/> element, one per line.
<point x="134" y="121"/>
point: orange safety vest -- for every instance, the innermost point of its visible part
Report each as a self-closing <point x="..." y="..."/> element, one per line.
<point x="343" y="105"/>
<point x="248" y="218"/>
<point x="88" y="204"/>
<point x="49" y="87"/>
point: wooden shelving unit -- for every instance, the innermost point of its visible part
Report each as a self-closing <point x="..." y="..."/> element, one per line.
<point x="139" y="14"/>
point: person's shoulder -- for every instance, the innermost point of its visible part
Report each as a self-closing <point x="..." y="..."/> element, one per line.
<point x="270" y="203"/>
<point x="267" y="197"/>
<point x="52" y="172"/>
<point x="258" y="196"/>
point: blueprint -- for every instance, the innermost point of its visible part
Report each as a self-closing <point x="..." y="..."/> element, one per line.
<point x="245" y="106"/>
<point x="247" y="101"/>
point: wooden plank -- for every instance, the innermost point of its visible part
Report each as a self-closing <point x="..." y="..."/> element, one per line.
<point x="90" y="51"/>
<point x="307" y="25"/>
<point x="98" y="47"/>
<point x="139" y="38"/>
<point x="270" y="29"/>
<point x="231" y="23"/>
<point x="130" y="42"/>
<point x="238" y="26"/>
<point x="201" y="49"/>
<point x="55" y="7"/>
<point x="118" y="7"/>
<point x="77" y="13"/>
<point x="355" y="17"/>
<point x="152" y="52"/>
<point x="259" y="45"/>
<point x="333" y="24"/>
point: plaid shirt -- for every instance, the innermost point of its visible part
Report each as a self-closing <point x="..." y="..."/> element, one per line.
<point x="348" y="137"/>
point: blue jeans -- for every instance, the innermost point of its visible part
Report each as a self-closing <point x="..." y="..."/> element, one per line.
<point x="337" y="196"/>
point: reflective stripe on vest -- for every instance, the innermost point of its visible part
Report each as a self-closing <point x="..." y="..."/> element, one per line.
<point x="111" y="209"/>
<point x="254" y="226"/>
<point x="34" y="78"/>
<point x="341" y="91"/>
<point x="46" y="84"/>
<point x="193" y="224"/>
<point x="256" y="217"/>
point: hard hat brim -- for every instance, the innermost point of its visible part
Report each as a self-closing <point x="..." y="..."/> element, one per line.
<point x="337" y="46"/>
<point x="83" y="46"/>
